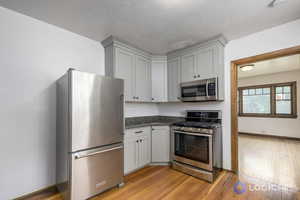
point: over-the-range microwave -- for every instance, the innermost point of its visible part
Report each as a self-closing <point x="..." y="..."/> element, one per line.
<point x="200" y="90"/>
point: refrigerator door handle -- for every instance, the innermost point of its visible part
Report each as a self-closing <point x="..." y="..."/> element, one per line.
<point x="78" y="156"/>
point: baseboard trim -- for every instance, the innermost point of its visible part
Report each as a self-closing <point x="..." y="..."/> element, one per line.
<point x="160" y="164"/>
<point x="40" y="194"/>
<point x="270" y="136"/>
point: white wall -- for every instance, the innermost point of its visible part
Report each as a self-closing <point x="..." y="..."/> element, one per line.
<point x="33" y="55"/>
<point x="272" y="126"/>
<point x="140" y="109"/>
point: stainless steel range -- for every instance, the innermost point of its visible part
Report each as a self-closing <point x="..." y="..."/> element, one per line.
<point x="196" y="144"/>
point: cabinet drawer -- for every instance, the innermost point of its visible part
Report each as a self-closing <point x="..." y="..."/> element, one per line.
<point x="166" y="128"/>
<point x="134" y="132"/>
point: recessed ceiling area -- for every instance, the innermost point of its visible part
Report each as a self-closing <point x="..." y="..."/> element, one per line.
<point x="277" y="65"/>
<point x="159" y="26"/>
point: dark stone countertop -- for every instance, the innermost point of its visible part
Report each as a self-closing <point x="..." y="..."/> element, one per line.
<point x="136" y="122"/>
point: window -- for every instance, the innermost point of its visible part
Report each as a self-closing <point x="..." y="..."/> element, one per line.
<point x="274" y="100"/>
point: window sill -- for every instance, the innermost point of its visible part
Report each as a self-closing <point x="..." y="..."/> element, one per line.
<point x="268" y="116"/>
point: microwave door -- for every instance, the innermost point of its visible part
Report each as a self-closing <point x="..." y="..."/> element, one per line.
<point x="201" y="92"/>
<point x="211" y="90"/>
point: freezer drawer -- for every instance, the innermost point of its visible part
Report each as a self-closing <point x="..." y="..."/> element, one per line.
<point x="94" y="171"/>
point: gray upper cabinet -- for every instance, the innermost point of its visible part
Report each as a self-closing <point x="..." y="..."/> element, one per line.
<point x="151" y="78"/>
<point x="142" y="79"/>
<point x="131" y="64"/>
<point x="188" y="67"/>
<point x="174" y="79"/>
<point x="205" y="67"/>
<point x="198" y="65"/>
<point x="201" y="61"/>
<point x="159" y="79"/>
<point x="126" y="70"/>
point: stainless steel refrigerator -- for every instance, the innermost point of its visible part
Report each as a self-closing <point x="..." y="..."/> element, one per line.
<point x="90" y="128"/>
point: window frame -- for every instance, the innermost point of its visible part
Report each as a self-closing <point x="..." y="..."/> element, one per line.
<point x="272" y="87"/>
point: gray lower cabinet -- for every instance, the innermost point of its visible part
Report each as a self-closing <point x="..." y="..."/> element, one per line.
<point x="174" y="79"/>
<point x="160" y="138"/>
<point x="137" y="148"/>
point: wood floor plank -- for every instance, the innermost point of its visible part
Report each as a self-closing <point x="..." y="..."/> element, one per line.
<point x="190" y="189"/>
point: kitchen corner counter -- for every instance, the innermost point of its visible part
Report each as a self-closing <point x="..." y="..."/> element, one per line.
<point x="136" y="122"/>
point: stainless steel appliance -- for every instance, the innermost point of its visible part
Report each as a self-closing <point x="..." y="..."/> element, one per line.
<point x="196" y="144"/>
<point x="90" y="129"/>
<point x="200" y="90"/>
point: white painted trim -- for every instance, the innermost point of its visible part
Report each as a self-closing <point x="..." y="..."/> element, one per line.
<point x="160" y="164"/>
<point x="116" y="42"/>
<point x="220" y="40"/>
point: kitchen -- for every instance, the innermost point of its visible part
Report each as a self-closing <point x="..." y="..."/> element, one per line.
<point x="90" y="114"/>
<point x="153" y="94"/>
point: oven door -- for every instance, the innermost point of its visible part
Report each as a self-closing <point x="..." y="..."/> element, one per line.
<point x="193" y="149"/>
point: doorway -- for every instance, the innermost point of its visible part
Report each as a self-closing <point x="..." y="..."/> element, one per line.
<point x="265" y="122"/>
<point x="234" y="94"/>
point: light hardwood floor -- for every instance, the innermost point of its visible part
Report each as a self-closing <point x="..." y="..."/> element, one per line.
<point x="264" y="162"/>
<point x="273" y="160"/>
<point x="161" y="182"/>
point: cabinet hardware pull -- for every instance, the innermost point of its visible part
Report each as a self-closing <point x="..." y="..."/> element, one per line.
<point x="139" y="131"/>
<point x="198" y="76"/>
<point x="195" y="76"/>
<point x="141" y="140"/>
<point x="137" y="141"/>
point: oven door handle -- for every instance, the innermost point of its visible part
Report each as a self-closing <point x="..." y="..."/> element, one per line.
<point x="195" y="134"/>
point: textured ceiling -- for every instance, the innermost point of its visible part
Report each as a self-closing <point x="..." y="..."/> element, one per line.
<point x="283" y="64"/>
<point x="159" y="26"/>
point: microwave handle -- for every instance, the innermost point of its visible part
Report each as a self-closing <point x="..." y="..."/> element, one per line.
<point x="207" y="88"/>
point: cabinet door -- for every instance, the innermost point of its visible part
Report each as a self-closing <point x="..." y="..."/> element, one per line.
<point x="130" y="154"/>
<point x="159" y="81"/>
<point x="174" y="79"/>
<point x="142" y="79"/>
<point x="124" y="69"/>
<point x="144" y="150"/>
<point x="205" y="64"/>
<point x="160" y="144"/>
<point x="188" y="63"/>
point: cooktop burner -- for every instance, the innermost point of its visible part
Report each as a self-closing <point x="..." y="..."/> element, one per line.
<point x="201" y="119"/>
